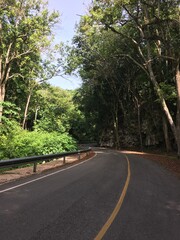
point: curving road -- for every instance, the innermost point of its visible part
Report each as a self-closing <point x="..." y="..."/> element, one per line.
<point x="109" y="197"/>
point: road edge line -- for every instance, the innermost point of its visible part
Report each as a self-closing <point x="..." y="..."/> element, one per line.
<point x="47" y="175"/>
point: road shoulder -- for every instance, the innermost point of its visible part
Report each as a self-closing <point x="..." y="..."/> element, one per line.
<point x="15" y="174"/>
<point x="169" y="162"/>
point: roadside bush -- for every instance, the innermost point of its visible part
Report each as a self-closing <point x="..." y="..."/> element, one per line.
<point x="7" y="131"/>
<point x="23" y="143"/>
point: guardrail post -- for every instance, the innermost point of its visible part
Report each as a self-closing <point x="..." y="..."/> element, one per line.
<point x="35" y="167"/>
<point x="79" y="155"/>
<point x="64" y="160"/>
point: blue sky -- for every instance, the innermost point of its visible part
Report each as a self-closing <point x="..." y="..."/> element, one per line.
<point x="70" y="11"/>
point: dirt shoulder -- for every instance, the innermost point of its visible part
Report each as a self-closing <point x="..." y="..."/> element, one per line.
<point x="170" y="162"/>
<point x="12" y="175"/>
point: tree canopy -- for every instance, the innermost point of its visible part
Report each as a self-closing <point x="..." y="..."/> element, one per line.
<point x="25" y="32"/>
<point x="128" y="54"/>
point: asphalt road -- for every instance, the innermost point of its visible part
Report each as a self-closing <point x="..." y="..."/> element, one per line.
<point x="75" y="203"/>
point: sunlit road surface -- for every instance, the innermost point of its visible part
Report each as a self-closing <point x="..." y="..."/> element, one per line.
<point x="111" y="196"/>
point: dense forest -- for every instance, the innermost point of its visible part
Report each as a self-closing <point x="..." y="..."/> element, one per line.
<point x="128" y="56"/>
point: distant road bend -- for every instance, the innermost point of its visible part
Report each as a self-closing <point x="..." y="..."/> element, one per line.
<point x="111" y="197"/>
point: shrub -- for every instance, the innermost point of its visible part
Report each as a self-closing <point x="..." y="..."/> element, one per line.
<point x="23" y="143"/>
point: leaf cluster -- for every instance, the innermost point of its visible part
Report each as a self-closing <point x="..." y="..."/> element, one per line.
<point x="24" y="143"/>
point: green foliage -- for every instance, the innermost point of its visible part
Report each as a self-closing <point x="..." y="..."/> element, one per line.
<point x="25" y="30"/>
<point x="169" y="91"/>
<point x="7" y="130"/>
<point x="118" y="47"/>
<point x="127" y="55"/>
<point x="11" y="112"/>
<point x="21" y="143"/>
<point x="55" y="109"/>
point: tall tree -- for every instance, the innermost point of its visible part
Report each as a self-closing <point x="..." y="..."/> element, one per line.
<point x="152" y="29"/>
<point x="25" y="29"/>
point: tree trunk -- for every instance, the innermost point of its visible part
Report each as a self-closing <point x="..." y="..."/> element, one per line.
<point x="36" y="114"/>
<point x="2" y="96"/>
<point x="166" y="135"/>
<point x="116" y="134"/>
<point x="139" y="127"/>
<point x="175" y="128"/>
<point x="178" y="106"/>
<point x="159" y="94"/>
<point x="26" y="110"/>
<point x="139" y="121"/>
<point x="116" y="128"/>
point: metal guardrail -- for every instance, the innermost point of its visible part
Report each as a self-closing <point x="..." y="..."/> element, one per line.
<point x="35" y="159"/>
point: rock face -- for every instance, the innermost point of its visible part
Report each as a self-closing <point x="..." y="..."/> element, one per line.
<point x="128" y="140"/>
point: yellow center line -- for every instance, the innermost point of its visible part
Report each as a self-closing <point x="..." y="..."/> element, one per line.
<point x="117" y="207"/>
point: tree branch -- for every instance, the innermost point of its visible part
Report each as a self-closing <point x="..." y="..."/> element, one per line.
<point x="138" y="64"/>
